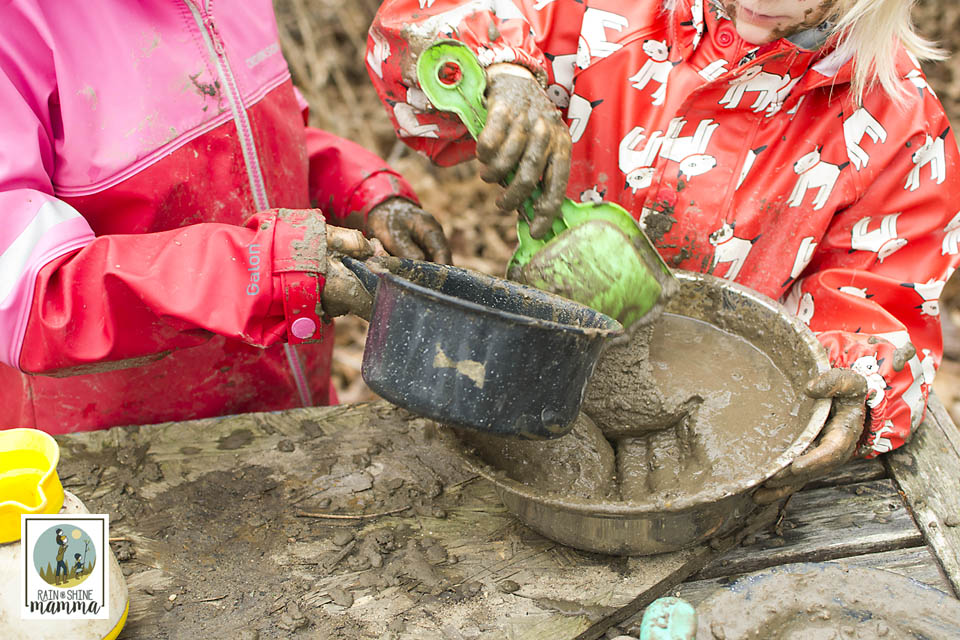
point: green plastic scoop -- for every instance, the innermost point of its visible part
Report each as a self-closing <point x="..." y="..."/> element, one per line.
<point x="595" y="253"/>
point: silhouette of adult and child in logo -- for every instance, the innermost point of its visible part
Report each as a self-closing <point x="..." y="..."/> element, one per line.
<point x="51" y="556"/>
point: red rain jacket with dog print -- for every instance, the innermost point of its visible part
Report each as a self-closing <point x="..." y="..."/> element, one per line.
<point x="752" y="163"/>
<point x="154" y="165"/>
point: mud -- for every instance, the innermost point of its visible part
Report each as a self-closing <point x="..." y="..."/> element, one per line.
<point x="680" y="408"/>
<point x="103" y="367"/>
<point x="828" y="602"/>
<point x="229" y="543"/>
<point x="343" y="293"/>
<point x="524" y="135"/>
<point x="407" y="231"/>
<point x="726" y="409"/>
<point x="581" y="463"/>
<point x="623" y="397"/>
<point x="310" y="252"/>
<point x="902" y="355"/>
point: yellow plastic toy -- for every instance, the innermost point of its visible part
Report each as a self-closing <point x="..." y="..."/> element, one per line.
<point x="29" y="484"/>
<point x="28" y="478"/>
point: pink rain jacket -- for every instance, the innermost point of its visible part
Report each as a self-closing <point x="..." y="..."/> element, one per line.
<point x="751" y="163"/>
<point x="145" y="151"/>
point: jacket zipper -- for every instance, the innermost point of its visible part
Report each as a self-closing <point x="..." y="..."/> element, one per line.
<point x="203" y="16"/>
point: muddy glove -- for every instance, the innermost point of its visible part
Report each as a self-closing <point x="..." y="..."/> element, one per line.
<point x="524" y="132"/>
<point x="837" y="441"/>
<point x="342" y="293"/>
<point x="408" y="231"/>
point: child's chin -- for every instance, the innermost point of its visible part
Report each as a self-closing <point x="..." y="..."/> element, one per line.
<point x="755" y="34"/>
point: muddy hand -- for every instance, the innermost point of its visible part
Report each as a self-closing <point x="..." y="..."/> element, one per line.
<point x="408" y="231"/>
<point x="343" y="293"/>
<point x="348" y="242"/>
<point x="524" y="132"/>
<point x="837" y="441"/>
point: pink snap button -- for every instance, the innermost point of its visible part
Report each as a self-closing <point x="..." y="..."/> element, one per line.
<point x="303" y="328"/>
<point x="725" y="36"/>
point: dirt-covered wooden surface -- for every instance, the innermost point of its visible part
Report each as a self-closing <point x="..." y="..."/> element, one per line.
<point x="353" y="522"/>
<point x="348" y="522"/>
<point x="928" y="472"/>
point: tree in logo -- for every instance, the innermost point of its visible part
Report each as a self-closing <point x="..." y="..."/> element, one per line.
<point x="64" y="556"/>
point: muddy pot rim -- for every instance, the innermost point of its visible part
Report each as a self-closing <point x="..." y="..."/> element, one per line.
<point x="658" y="503"/>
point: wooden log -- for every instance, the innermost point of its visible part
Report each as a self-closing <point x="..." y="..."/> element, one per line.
<point x="927" y="470"/>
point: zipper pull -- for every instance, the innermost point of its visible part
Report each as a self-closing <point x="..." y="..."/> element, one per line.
<point x="211" y="27"/>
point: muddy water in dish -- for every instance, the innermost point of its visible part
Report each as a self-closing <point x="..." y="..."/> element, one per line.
<point x="684" y="406"/>
<point x="739" y="408"/>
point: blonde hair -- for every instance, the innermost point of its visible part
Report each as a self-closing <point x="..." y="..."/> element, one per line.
<point x="869" y="32"/>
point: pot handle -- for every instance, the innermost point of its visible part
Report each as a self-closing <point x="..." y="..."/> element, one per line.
<point x="367" y="277"/>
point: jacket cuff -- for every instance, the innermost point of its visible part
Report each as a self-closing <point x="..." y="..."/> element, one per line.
<point x="301" y="305"/>
<point x="376" y="189"/>
<point x="299" y="262"/>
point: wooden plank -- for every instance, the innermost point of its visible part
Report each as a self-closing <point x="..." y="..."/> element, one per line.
<point x="858" y="470"/>
<point x="208" y="510"/>
<point x="697" y="559"/>
<point x="828" y="523"/>
<point x="560" y="591"/>
<point x="927" y="470"/>
<point x="918" y="563"/>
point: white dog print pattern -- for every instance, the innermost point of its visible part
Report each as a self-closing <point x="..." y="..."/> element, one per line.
<point x="814" y="173"/>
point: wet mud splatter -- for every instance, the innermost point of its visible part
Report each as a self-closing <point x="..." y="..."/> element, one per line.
<point x="825" y="601"/>
<point x="581" y="463"/>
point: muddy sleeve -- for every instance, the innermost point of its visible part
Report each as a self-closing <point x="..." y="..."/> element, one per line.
<point x="875" y="279"/>
<point x="120" y="299"/>
<point x="345" y="178"/>
<point x="541" y="35"/>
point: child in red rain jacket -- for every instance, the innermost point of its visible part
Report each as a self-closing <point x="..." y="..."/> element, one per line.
<point x="161" y="253"/>
<point x="793" y="146"/>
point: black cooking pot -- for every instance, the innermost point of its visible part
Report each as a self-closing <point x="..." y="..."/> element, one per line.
<point x="476" y="351"/>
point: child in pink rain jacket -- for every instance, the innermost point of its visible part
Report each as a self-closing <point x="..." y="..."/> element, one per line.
<point x="160" y="256"/>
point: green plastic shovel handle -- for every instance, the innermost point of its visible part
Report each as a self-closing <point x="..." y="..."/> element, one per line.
<point x="451" y="77"/>
<point x="462" y="91"/>
<point x="453" y="80"/>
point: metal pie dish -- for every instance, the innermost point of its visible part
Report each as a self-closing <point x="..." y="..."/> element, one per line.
<point x="659" y="525"/>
